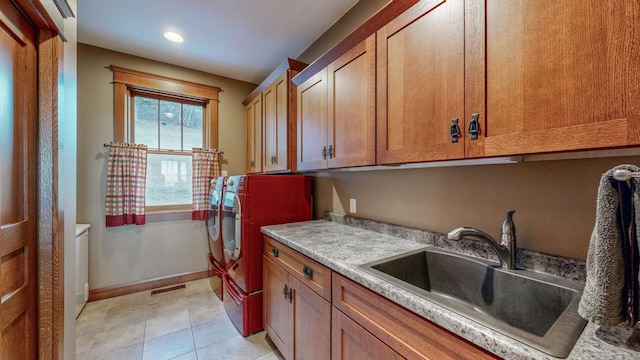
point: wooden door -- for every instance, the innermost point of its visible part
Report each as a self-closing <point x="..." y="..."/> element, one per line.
<point x="275" y="99"/>
<point x="351" y="341"/>
<point x="277" y="308"/>
<point x="253" y="113"/>
<point x="311" y="323"/>
<point x="352" y="107"/>
<point x="420" y="83"/>
<point x="560" y="75"/>
<point x="312" y="122"/>
<point x="18" y="164"/>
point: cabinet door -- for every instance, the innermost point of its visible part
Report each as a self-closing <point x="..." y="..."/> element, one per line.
<point x="420" y="83"/>
<point x="253" y="113"/>
<point x="276" y="307"/>
<point x="275" y="99"/>
<point x="351" y="341"/>
<point x="312" y="122"/>
<point x="311" y="323"/>
<point x="560" y="75"/>
<point x="352" y="102"/>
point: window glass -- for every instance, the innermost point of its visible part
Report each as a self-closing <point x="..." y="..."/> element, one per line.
<point x="168" y="126"/>
<point x="192" y="116"/>
<point x="146" y="122"/>
<point x="171" y="125"/>
<point x="168" y="179"/>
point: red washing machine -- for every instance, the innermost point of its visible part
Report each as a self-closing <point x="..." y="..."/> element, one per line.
<point x="250" y="202"/>
<point x="214" y="235"/>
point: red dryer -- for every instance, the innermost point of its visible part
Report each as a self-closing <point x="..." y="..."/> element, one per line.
<point x="214" y="235"/>
<point x="250" y="202"/>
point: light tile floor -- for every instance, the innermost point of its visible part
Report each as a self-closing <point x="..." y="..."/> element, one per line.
<point x="184" y="324"/>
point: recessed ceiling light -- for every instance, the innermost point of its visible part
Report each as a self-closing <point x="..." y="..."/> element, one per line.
<point x="173" y="36"/>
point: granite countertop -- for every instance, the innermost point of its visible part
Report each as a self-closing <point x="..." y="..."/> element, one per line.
<point x="344" y="247"/>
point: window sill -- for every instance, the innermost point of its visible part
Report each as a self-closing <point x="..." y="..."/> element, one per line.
<point x="158" y="216"/>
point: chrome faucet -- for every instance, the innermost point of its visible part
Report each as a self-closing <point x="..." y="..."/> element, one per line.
<point x="506" y="250"/>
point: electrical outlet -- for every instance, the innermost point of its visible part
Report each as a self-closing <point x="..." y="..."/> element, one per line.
<point x="352" y="206"/>
<point x="223" y="173"/>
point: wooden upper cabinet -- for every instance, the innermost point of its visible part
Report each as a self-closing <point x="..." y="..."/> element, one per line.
<point x="560" y="75"/>
<point x="421" y="84"/>
<point x="352" y="107"/>
<point x="275" y="125"/>
<point x="312" y="122"/>
<point x="276" y="146"/>
<point x="253" y="114"/>
<point x="279" y="104"/>
<point x="336" y="112"/>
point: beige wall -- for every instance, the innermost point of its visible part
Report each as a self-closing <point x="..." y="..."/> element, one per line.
<point x="131" y="253"/>
<point x="357" y="15"/>
<point x="555" y="200"/>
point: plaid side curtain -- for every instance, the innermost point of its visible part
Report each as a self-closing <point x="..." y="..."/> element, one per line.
<point x="126" y="182"/>
<point x="206" y="167"/>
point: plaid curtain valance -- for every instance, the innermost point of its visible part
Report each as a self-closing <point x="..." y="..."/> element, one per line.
<point x="126" y="183"/>
<point x="206" y="167"/>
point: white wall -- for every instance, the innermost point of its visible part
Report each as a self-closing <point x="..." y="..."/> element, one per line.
<point x="120" y="255"/>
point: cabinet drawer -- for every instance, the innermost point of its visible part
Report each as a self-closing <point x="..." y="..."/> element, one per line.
<point x="309" y="272"/>
<point x="410" y="335"/>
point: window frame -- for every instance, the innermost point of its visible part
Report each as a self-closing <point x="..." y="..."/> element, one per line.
<point x="130" y="83"/>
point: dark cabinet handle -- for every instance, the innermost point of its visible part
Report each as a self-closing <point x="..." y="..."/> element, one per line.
<point x="454" y="131"/>
<point x="330" y="151"/>
<point x="290" y="296"/>
<point x="253" y="163"/>
<point x="275" y="252"/>
<point x="474" y="126"/>
<point x="307" y="272"/>
<point x="324" y="153"/>
<point x="285" y="291"/>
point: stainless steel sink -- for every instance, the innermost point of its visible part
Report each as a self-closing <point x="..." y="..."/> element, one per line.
<point x="537" y="309"/>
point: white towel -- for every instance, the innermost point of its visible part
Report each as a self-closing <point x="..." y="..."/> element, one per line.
<point x="604" y="300"/>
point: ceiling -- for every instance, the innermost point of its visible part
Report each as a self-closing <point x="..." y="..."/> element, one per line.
<point x="239" y="39"/>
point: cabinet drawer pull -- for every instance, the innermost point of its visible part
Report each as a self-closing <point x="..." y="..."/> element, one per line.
<point x="275" y="252"/>
<point x="474" y="126"/>
<point x="330" y="151"/>
<point x="454" y="131"/>
<point x="290" y="296"/>
<point x="308" y="272"/>
<point x="324" y="153"/>
<point x="285" y="291"/>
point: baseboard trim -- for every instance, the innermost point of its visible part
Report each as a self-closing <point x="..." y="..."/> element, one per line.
<point x="143" y="285"/>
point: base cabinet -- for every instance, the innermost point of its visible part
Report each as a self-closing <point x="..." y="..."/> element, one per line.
<point x="311" y="312"/>
<point x="296" y="318"/>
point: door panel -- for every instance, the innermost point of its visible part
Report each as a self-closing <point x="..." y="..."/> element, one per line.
<point x="420" y="83"/>
<point x="17" y="186"/>
<point x="352" y="106"/>
<point x="311" y="323"/>
<point x="351" y="341"/>
<point x="560" y="75"/>
<point x="312" y="122"/>
<point x="275" y="99"/>
<point x="277" y="309"/>
<point x="253" y="114"/>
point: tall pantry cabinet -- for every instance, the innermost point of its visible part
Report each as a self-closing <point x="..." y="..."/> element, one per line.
<point x="270" y="117"/>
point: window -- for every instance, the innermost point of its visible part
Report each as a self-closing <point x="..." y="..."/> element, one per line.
<point x="171" y="117"/>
